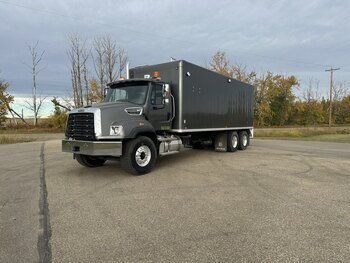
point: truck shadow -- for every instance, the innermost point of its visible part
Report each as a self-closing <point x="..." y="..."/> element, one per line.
<point x="184" y="157"/>
<point x="113" y="169"/>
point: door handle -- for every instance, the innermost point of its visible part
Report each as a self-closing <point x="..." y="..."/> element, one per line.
<point x="157" y="107"/>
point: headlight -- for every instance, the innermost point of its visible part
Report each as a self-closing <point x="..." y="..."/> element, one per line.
<point x="116" y="130"/>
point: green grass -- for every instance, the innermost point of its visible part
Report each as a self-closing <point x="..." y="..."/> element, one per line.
<point x="334" y="134"/>
<point x="9" y="140"/>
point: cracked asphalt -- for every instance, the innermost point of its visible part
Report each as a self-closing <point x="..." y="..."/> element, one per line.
<point x="278" y="201"/>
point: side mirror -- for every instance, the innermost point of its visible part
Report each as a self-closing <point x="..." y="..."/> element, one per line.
<point x="105" y="91"/>
<point x="166" y="91"/>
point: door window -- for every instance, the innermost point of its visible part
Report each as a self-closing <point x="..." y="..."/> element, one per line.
<point x="157" y="95"/>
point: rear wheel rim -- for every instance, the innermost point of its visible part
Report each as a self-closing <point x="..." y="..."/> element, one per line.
<point x="234" y="141"/>
<point x="143" y="155"/>
<point x="245" y="140"/>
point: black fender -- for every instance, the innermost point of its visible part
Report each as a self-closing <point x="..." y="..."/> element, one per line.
<point x="135" y="128"/>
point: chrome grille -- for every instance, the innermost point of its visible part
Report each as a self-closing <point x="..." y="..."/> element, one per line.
<point x="80" y="126"/>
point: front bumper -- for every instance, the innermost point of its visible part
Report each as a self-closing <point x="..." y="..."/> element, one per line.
<point x="94" y="148"/>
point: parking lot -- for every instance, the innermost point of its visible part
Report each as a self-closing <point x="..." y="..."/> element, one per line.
<point x="278" y="201"/>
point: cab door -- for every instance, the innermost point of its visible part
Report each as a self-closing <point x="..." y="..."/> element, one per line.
<point x="159" y="114"/>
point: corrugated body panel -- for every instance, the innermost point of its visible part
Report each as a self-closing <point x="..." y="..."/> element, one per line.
<point x="211" y="101"/>
<point x="208" y="99"/>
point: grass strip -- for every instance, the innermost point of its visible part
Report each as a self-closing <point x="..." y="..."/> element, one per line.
<point x="300" y="132"/>
<point x="9" y="140"/>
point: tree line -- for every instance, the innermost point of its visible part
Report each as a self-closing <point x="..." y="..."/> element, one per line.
<point x="93" y="64"/>
<point x="276" y="102"/>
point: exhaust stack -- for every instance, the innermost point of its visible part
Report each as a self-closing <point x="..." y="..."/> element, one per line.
<point x="127" y="70"/>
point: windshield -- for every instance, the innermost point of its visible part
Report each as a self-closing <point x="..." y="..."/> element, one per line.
<point x="130" y="92"/>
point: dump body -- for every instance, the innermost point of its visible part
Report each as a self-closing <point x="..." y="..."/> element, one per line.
<point x="204" y="100"/>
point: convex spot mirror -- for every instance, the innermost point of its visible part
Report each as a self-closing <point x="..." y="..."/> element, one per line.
<point x="166" y="93"/>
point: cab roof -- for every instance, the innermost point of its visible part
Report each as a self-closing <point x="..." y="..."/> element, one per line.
<point x="132" y="80"/>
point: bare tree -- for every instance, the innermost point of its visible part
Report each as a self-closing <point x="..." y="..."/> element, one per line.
<point x="115" y="59"/>
<point x="110" y="58"/>
<point x="37" y="100"/>
<point x="122" y="60"/>
<point x="86" y="85"/>
<point x="78" y="56"/>
<point x="109" y="61"/>
<point x="312" y="92"/>
<point x="99" y="66"/>
<point x="340" y="90"/>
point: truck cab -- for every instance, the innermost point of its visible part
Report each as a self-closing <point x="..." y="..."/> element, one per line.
<point x="134" y="108"/>
<point x="149" y="99"/>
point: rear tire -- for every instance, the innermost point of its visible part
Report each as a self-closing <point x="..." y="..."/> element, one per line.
<point x="89" y="161"/>
<point x="243" y="140"/>
<point x="139" y="155"/>
<point x="232" y="141"/>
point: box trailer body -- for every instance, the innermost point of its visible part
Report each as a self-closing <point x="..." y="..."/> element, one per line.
<point x="205" y="100"/>
<point x="159" y="110"/>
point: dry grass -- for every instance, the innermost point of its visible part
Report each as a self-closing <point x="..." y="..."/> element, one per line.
<point x="9" y="140"/>
<point x="334" y="134"/>
<point x="31" y="130"/>
<point x="300" y="132"/>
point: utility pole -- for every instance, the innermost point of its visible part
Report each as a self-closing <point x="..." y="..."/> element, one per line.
<point x="331" y="95"/>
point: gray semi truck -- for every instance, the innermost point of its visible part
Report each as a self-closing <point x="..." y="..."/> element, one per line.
<point x="157" y="111"/>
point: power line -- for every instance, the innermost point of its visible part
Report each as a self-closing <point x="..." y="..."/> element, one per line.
<point x="147" y="35"/>
<point x="95" y="22"/>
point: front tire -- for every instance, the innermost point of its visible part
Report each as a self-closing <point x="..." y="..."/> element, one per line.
<point x="89" y="161"/>
<point x="139" y="155"/>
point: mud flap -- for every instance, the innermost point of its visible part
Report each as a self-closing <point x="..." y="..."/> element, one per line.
<point x="221" y="142"/>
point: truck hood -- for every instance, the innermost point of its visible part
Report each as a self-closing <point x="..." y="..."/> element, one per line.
<point x="106" y="105"/>
<point x="110" y="113"/>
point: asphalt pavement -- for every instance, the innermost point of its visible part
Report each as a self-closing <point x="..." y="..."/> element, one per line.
<point x="278" y="201"/>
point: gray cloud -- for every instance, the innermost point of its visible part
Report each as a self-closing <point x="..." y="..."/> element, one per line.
<point x="290" y="37"/>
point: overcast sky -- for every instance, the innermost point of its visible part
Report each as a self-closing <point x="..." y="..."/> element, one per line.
<point x="290" y="37"/>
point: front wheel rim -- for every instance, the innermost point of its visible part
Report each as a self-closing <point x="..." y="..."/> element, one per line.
<point x="143" y="155"/>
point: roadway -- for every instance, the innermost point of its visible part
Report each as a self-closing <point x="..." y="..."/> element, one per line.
<point x="278" y="201"/>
